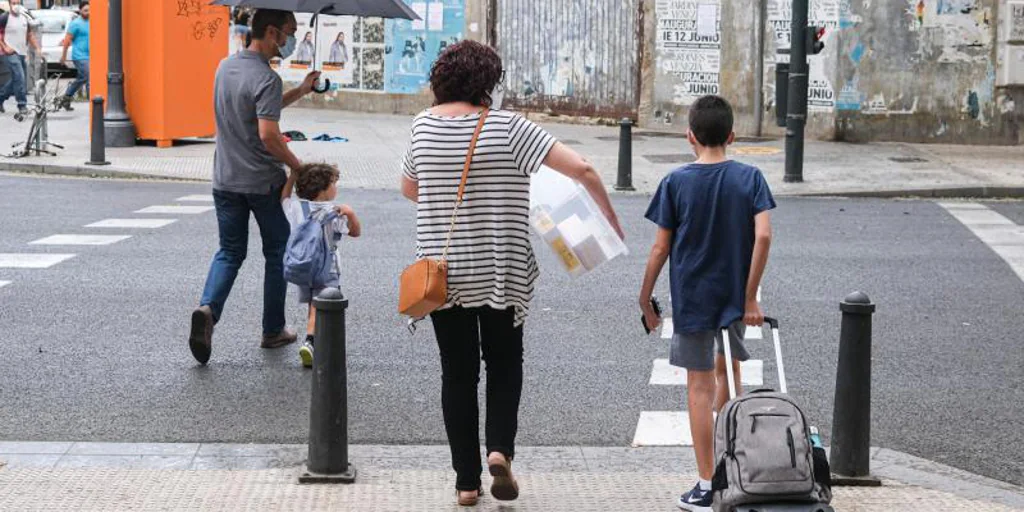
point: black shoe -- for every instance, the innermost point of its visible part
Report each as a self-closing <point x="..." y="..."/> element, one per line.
<point x="200" y="338"/>
<point x="66" y="104"/>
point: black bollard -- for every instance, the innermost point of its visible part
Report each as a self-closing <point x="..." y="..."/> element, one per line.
<point x="850" y="454"/>
<point x="98" y="146"/>
<point x="328" y="413"/>
<point x="625" y="177"/>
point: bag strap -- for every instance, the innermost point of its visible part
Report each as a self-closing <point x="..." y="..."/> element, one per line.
<point x="462" y="184"/>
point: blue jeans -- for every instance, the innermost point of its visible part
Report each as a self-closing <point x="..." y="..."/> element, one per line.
<point x="233" y="226"/>
<point x="81" y="80"/>
<point x="16" y="85"/>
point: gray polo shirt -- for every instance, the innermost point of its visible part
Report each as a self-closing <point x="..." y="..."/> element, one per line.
<point x="246" y="90"/>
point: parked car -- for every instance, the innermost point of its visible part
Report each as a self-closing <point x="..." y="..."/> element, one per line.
<point x="53" y="25"/>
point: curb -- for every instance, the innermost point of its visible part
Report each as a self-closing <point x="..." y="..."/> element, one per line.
<point x="964" y="192"/>
<point x="959" y="192"/>
<point x="86" y="171"/>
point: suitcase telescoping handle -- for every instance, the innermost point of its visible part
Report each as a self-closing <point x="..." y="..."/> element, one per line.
<point x="774" y="325"/>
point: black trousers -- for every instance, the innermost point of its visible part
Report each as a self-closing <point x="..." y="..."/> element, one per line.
<point x="461" y="334"/>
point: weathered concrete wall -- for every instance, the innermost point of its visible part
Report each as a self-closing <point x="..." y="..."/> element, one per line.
<point x="901" y="70"/>
<point x="922" y="70"/>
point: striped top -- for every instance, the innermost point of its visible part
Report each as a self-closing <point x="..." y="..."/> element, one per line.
<point x="490" y="261"/>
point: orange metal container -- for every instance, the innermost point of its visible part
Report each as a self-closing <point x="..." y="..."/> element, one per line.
<point x="171" y="52"/>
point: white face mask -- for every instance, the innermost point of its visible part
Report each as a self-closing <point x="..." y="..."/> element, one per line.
<point x="497" y="96"/>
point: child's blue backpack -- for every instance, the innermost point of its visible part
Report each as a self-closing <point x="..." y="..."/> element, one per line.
<point x="309" y="257"/>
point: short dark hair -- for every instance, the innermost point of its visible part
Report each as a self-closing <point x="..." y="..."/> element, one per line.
<point x="264" y="18"/>
<point x="314" y="179"/>
<point x="83" y="4"/>
<point x="465" y="71"/>
<point x="711" y="121"/>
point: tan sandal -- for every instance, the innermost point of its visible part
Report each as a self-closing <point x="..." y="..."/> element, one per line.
<point x="466" y="499"/>
<point x="504" y="486"/>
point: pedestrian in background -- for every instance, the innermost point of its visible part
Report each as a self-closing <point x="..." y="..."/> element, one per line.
<point x="249" y="177"/>
<point x="77" y="39"/>
<point x="17" y="38"/>
<point x="713" y="223"/>
<point x="490" y="263"/>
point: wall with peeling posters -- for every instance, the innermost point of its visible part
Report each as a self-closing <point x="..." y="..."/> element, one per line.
<point x="923" y="70"/>
<point x="900" y="70"/>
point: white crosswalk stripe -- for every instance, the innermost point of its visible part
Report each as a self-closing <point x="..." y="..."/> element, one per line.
<point x="1001" y="234"/>
<point x="80" y="240"/>
<point x="175" y="209"/>
<point x="4" y="283"/>
<point x="664" y="374"/>
<point x="29" y="260"/>
<point x="663" y="428"/>
<point x="197" y="198"/>
<point x="132" y="223"/>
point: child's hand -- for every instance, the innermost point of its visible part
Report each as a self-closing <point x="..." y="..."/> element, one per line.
<point x="344" y="209"/>
<point x="752" y="315"/>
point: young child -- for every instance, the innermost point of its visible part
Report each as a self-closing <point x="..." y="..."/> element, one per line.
<point x="317" y="187"/>
<point x="712" y="218"/>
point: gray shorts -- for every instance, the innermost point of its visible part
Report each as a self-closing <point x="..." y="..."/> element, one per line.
<point x="306" y="294"/>
<point x="696" y="350"/>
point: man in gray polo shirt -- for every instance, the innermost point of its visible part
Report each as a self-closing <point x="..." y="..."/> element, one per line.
<point x="249" y="176"/>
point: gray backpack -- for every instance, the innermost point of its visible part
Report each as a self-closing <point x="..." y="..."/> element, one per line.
<point x="763" y="450"/>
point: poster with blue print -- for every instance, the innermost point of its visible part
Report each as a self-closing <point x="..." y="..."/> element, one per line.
<point x="412" y="46"/>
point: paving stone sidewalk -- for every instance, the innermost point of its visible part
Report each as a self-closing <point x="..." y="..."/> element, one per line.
<point x="376" y="143"/>
<point x="115" y="476"/>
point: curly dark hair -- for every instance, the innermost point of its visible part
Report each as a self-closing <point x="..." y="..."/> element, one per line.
<point x="314" y="179"/>
<point x="465" y="71"/>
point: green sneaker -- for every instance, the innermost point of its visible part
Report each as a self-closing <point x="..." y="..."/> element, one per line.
<point x="306" y="353"/>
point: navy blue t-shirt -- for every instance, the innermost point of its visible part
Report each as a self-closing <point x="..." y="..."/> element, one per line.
<point x="710" y="209"/>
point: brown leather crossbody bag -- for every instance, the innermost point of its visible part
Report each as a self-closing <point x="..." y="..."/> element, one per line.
<point x="424" y="285"/>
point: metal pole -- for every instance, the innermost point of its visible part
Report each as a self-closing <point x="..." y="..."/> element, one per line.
<point x="98" y="154"/>
<point x="328" y="413"/>
<point x="120" y="131"/>
<point x="624" y="180"/>
<point x="851" y="416"/>
<point x="796" y="116"/>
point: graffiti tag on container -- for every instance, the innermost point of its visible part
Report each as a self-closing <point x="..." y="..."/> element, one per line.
<point x="187" y="8"/>
<point x="203" y="29"/>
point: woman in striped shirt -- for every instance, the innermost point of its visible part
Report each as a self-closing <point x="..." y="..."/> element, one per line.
<point x="491" y="265"/>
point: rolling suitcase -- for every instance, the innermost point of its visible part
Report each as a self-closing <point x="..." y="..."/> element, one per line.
<point x="765" y="459"/>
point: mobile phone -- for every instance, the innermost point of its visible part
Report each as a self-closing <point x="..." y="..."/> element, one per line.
<point x="657" y="309"/>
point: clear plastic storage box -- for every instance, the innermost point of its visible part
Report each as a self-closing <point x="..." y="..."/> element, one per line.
<point x="569" y="222"/>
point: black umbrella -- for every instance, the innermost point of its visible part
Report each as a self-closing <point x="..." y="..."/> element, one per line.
<point x="364" y="8"/>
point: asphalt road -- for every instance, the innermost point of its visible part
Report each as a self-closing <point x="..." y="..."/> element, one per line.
<point x="94" y="348"/>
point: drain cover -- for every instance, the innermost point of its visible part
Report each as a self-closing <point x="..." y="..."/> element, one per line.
<point x="670" y="159"/>
<point x="907" y="159"/>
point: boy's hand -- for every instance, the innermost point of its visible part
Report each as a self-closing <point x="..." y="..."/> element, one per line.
<point x="344" y="209"/>
<point x="651" y="317"/>
<point x="752" y="314"/>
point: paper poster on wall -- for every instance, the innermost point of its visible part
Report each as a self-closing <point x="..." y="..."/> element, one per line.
<point x="822" y="13"/>
<point x="334" y="49"/>
<point x="685" y="51"/>
<point x="299" y="63"/>
<point x="413" y="46"/>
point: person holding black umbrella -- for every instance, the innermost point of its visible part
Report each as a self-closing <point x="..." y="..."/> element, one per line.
<point x="249" y="176"/>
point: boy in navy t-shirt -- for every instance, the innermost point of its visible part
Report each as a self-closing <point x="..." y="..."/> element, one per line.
<point x="713" y="224"/>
